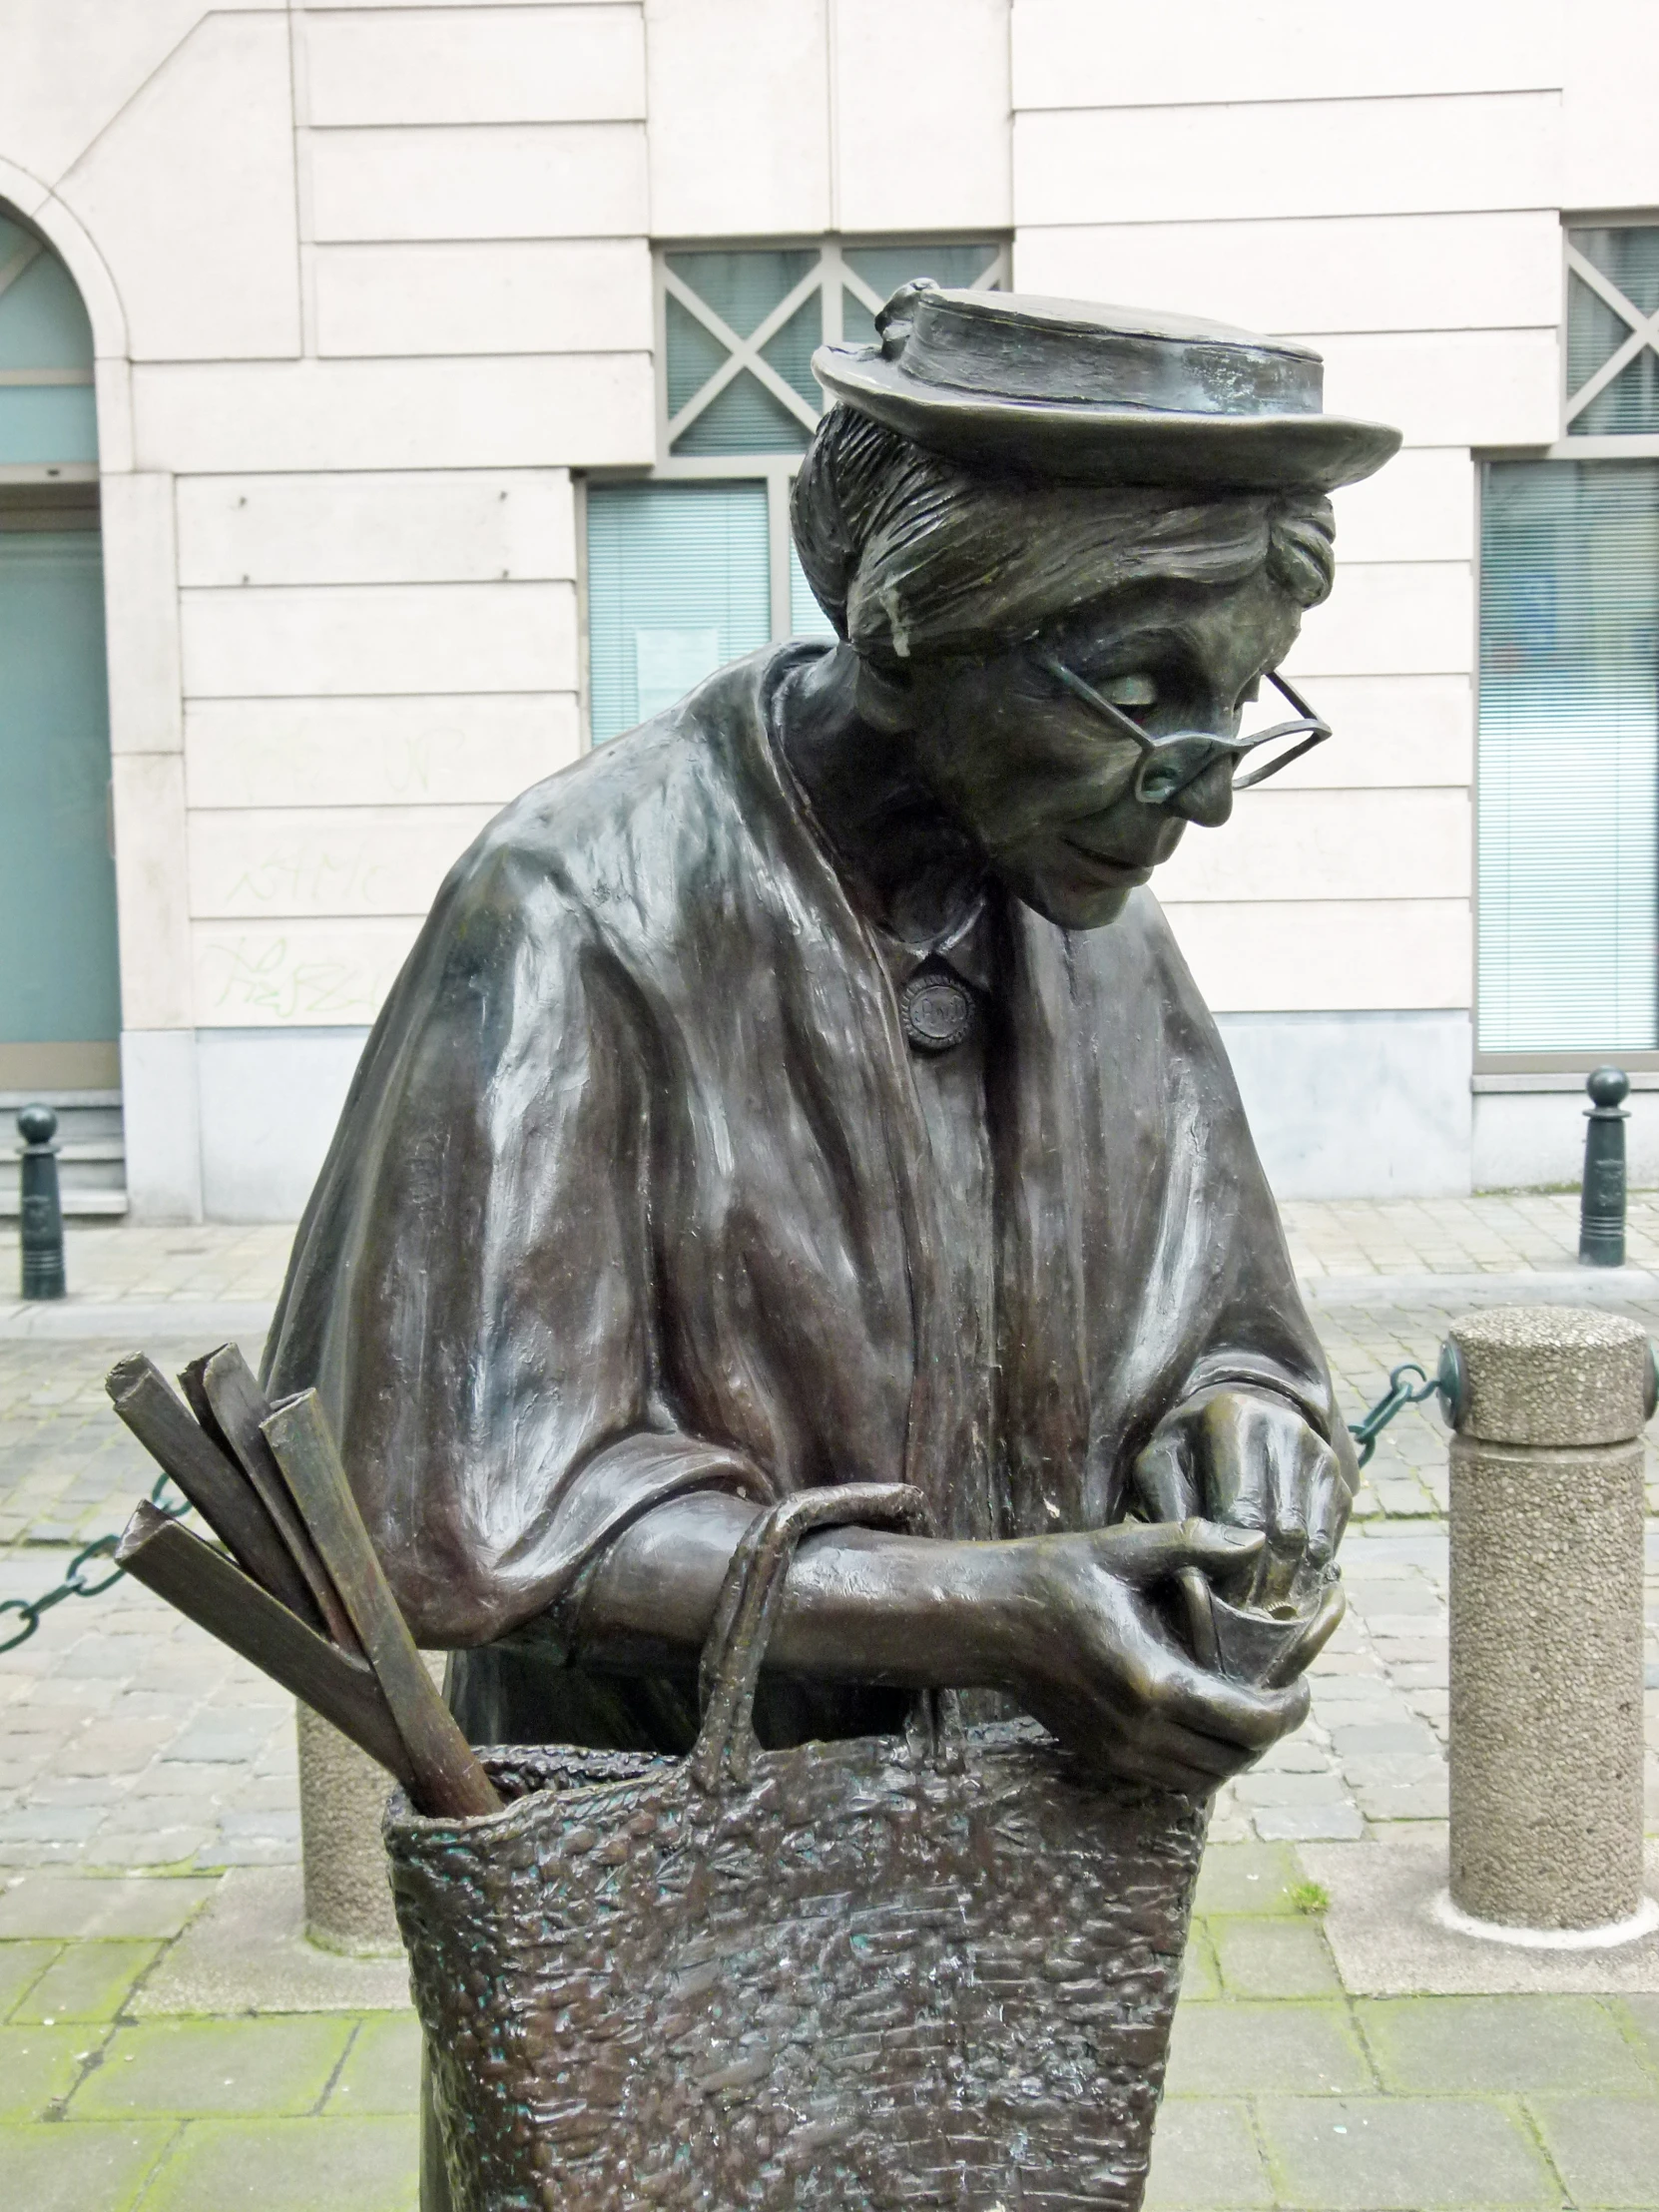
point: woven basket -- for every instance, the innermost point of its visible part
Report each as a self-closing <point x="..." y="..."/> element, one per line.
<point x="927" y="1970"/>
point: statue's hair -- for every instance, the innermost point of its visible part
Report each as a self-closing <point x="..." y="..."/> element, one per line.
<point x="911" y="554"/>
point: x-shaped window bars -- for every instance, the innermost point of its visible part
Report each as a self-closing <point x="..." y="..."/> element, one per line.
<point x="1644" y="331"/>
<point x="831" y="272"/>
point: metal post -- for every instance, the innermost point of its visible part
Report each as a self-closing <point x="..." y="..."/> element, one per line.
<point x="41" y="1208"/>
<point x="1546" y="1624"/>
<point x="1601" y="1203"/>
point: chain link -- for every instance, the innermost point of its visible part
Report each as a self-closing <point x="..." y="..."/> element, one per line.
<point x="1395" y="1399"/>
<point x="72" y="1585"/>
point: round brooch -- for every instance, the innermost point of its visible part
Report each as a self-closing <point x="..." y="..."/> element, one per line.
<point x="937" y="1011"/>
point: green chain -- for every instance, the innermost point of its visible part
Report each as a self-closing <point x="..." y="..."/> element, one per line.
<point x="72" y="1585"/>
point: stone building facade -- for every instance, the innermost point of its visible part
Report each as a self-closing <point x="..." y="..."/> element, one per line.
<point x="423" y="383"/>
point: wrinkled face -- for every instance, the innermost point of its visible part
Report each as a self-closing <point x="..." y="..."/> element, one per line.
<point x="1039" y="777"/>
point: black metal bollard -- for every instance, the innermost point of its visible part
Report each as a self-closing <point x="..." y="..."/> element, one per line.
<point x="1602" y="1202"/>
<point x="42" y="1208"/>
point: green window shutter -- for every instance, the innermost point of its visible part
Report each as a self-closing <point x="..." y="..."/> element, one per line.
<point x="1568" y="813"/>
<point x="678" y="585"/>
<point x="48" y="415"/>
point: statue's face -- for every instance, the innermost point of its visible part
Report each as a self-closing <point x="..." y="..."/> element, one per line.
<point x="1040" y="779"/>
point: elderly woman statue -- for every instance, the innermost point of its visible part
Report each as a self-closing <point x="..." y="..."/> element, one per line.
<point x="806" y="1088"/>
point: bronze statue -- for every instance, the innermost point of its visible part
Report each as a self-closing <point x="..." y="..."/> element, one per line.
<point x="805" y="1089"/>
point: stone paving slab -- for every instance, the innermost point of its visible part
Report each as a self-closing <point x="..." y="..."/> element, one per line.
<point x="85" y="2168"/>
<point x="247" y="1953"/>
<point x="1413" y="2154"/>
<point x="54" y="1906"/>
<point x="1386" y="1939"/>
<point x="1514" y="2045"/>
<point x="1606" y="2153"/>
<point x="184" y="2067"/>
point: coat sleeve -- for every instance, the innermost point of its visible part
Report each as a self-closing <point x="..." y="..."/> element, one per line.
<point x="471" y="1288"/>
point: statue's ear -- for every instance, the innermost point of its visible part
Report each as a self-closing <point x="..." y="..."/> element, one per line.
<point x="883" y="697"/>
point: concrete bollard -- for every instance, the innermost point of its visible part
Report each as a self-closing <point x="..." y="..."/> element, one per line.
<point x="1546" y="1624"/>
<point x="342" y="1793"/>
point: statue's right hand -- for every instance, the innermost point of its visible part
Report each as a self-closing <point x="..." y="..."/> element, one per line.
<point x="1100" y="1668"/>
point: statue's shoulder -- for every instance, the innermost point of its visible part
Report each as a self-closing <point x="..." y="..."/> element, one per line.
<point x="624" y="826"/>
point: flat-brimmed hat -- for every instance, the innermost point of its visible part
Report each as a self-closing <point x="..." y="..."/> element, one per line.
<point x="1101" y="395"/>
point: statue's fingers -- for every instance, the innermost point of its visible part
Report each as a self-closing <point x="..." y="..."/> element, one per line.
<point x="1232" y="1474"/>
<point x="1328" y="1516"/>
<point x="1214" y="1704"/>
<point x="1155" y="1551"/>
<point x="1300" y="1468"/>
<point x="1211" y="1756"/>
<point x="1163" y="1479"/>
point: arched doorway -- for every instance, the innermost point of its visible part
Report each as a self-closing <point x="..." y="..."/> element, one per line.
<point x="60" y="1002"/>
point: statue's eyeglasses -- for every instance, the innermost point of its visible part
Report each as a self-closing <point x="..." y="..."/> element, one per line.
<point x="1170" y="763"/>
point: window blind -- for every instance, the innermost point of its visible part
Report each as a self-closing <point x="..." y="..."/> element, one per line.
<point x="678" y="584"/>
<point x="1569" y="801"/>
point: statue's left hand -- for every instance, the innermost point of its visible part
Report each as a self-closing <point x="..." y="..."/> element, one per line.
<point x="1248" y="1460"/>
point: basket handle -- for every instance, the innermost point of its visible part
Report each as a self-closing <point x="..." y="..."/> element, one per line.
<point x="747" y="1607"/>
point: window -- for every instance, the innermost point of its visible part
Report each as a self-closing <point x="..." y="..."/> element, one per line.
<point x="1569" y="757"/>
<point x="691" y="565"/>
<point x="48" y="423"/>
<point x="1613" y="330"/>
<point x="60" y="996"/>
<point x="1568" y="729"/>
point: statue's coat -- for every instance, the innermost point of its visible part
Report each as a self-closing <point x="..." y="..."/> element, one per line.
<point x="631" y="1194"/>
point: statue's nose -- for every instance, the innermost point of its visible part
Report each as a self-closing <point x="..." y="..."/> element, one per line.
<point x="1208" y="798"/>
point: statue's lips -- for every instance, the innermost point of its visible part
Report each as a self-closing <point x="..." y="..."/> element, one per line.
<point x="1123" y="873"/>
